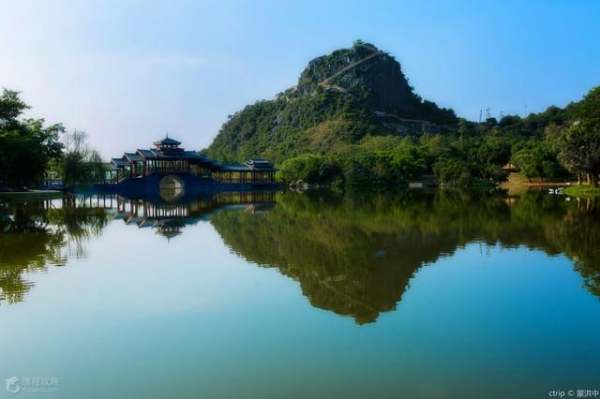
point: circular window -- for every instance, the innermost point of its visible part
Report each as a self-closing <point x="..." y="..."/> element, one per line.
<point x="171" y="188"/>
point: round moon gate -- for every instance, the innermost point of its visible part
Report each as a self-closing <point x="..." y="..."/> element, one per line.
<point x="171" y="188"/>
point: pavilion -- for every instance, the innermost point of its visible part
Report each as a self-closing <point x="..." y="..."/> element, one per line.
<point x="167" y="157"/>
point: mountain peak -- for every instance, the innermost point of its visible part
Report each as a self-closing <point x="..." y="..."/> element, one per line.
<point x="366" y="72"/>
<point x="361" y="70"/>
<point x="340" y="98"/>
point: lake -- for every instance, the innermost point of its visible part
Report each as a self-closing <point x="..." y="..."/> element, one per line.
<point x="300" y="295"/>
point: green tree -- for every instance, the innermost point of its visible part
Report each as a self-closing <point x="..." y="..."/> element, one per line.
<point x="26" y="146"/>
<point x="309" y="168"/>
<point x="452" y="170"/>
<point x="537" y="160"/>
<point x="80" y="165"/>
<point x="588" y="110"/>
<point x="580" y="150"/>
<point x="11" y="106"/>
<point x="408" y="162"/>
<point x="580" y="144"/>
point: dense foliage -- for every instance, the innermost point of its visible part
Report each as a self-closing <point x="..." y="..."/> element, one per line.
<point x="29" y="150"/>
<point x="536" y="158"/>
<point x="579" y="146"/>
<point x="26" y="146"/>
<point x="79" y="164"/>
<point x="286" y="127"/>
<point x="554" y="144"/>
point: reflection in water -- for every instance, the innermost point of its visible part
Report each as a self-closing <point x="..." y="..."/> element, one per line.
<point x="356" y="256"/>
<point x="168" y="218"/>
<point x="352" y="256"/>
<point x="171" y="188"/>
<point x="40" y="233"/>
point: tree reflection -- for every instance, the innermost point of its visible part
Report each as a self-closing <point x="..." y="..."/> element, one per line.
<point x="356" y="256"/>
<point x="38" y="234"/>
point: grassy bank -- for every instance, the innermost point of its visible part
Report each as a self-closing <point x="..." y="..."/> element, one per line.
<point x="583" y="191"/>
<point x="518" y="184"/>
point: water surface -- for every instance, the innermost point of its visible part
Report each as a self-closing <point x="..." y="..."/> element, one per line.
<point x="287" y="295"/>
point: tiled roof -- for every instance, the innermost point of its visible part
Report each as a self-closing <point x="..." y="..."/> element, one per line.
<point x="155" y="154"/>
<point x="118" y="162"/>
<point x="146" y="153"/>
<point x="195" y="155"/>
<point x="167" y="141"/>
<point x="133" y="156"/>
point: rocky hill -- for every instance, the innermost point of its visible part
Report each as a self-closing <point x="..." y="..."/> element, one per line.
<point x="340" y="98"/>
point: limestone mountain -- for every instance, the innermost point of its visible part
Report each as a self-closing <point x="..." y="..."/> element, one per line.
<point x="340" y="98"/>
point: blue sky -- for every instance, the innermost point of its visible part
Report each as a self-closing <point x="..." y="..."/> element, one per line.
<point x="128" y="71"/>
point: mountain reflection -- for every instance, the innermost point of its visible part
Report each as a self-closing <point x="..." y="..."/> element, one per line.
<point x="354" y="256"/>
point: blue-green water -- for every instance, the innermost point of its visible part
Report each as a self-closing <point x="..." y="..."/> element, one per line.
<point x="301" y="296"/>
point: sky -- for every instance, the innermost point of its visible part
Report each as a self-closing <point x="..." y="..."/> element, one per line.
<point x="128" y="71"/>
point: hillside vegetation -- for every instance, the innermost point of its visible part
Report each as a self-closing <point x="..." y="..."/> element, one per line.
<point x="326" y="111"/>
<point x="353" y="119"/>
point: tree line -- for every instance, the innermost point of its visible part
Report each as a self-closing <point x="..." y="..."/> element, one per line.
<point x="32" y="151"/>
<point x="559" y="143"/>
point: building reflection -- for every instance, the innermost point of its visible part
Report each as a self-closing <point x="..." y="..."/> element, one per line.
<point x="169" y="218"/>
